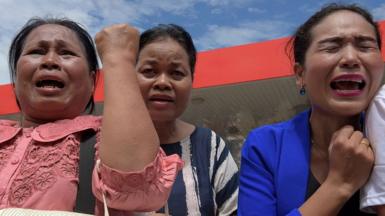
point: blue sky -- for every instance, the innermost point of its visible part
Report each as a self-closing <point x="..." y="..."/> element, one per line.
<point x="212" y="23"/>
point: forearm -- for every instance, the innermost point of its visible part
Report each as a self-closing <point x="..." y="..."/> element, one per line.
<point x="129" y="141"/>
<point x="380" y="210"/>
<point x="326" y="201"/>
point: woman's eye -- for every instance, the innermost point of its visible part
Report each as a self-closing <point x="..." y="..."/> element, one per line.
<point x="331" y="49"/>
<point x="67" y="53"/>
<point x="367" y="46"/>
<point x="148" y="72"/>
<point x="178" y="74"/>
<point x="36" y="52"/>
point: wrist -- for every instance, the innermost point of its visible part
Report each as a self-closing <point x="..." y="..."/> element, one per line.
<point x="341" y="190"/>
<point x="327" y="200"/>
<point x="116" y="57"/>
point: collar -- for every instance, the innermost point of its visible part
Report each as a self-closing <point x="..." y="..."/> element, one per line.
<point x="51" y="131"/>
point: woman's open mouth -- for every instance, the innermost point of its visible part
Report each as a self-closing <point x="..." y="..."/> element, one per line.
<point x="348" y="85"/>
<point x="49" y="84"/>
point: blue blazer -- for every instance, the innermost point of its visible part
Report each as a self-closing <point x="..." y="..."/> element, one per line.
<point x="275" y="168"/>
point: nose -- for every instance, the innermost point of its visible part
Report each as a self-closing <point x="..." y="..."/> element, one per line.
<point x="50" y="61"/>
<point x="350" y="58"/>
<point x="162" y="83"/>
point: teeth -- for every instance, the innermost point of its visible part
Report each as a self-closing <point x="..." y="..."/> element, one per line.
<point x="346" y="84"/>
<point x="343" y="80"/>
<point x="49" y="84"/>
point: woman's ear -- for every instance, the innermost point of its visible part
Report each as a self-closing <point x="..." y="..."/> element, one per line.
<point x="93" y="77"/>
<point x="299" y="75"/>
<point x="15" y="93"/>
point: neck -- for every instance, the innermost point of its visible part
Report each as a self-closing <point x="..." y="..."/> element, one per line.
<point x="34" y="121"/>
<point x="29" y="122"/>
<point x="173" y="131"/>
<point x="166" y="130"/>
<point x="323" y="126"/>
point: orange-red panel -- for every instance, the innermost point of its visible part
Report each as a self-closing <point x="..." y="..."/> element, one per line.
<point x="7" y="100"/>
<point x="242" y="63"/>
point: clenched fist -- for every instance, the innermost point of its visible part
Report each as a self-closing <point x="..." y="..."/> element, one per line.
<point x="118" y="42"/>
<point x="350" y="159"/>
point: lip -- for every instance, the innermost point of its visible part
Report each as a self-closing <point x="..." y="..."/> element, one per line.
<point x="48" y="91"/>
<point x="353" y="77"/>
<point x="350" y="92"/>
<point x="161" y="97"/>
<point x="161" y="101"/>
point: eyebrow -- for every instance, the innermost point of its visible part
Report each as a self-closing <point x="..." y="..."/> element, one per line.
<point x="60" y="43"/>
<point x="366" y="38"/>
<point x="338" y="39"/>
<point x="150" y="61"/>
<point x="174" y="64"/>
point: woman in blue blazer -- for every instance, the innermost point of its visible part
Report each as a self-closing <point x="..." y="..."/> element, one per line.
<point x="315" y="163"/>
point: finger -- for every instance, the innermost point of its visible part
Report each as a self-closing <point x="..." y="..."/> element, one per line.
<point x="365" y="148"/>
<point x="370" y="153"/>
<point x="365" y="142"/>
<point x="356" y="138"/>
<point x="346" y="131"/>
<point x="341" y="136"/>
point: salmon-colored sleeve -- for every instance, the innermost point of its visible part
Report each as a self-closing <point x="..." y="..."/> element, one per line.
<point x="146" y="190"/>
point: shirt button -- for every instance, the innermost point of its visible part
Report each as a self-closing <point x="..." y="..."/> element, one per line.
<point x="15" y="161"/>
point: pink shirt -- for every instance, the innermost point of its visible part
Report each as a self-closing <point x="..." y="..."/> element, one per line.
<point x="39" y="170"/>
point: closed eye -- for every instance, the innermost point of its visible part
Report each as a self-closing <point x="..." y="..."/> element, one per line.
<point x="367" y="46"/>
<point x="39" y="51"/>
<point x="67" y="53"/>
<point x="330" y="45"/>
<point x="331" y="49"/>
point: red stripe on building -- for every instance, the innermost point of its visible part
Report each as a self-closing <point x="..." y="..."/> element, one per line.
<point x="7" y="98"/>
<point x="251" y="62"/>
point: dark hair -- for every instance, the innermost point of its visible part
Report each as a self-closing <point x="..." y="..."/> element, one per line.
<point x="301" y="39"/>
<point x="18" y="42"/>
<point x="175" y="32"/>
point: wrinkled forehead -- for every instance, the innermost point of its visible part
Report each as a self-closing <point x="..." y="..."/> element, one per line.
<point x="343" y="23"/>
<point x="164" y="48"/>
<point x="53" y="33"/>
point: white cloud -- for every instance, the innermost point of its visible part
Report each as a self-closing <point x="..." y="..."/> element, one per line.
<point x="223" y="36"/>
<point x="216" y="11"/>
<point x="233" y="3"/>
<point x="92" y="14"/>
<point x="255" y="10"/>
<point x="4" y="75"/>
<point x="167" y="5"/>
<point x="379" y="13"/>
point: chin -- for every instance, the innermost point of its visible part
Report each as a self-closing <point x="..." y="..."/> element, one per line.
<point x="349" y="113"/>
<point x="53" y="112"/>
<point x="162" y="117"/>
<point x="349" y="109"/>
<point x="159" y="118"/>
